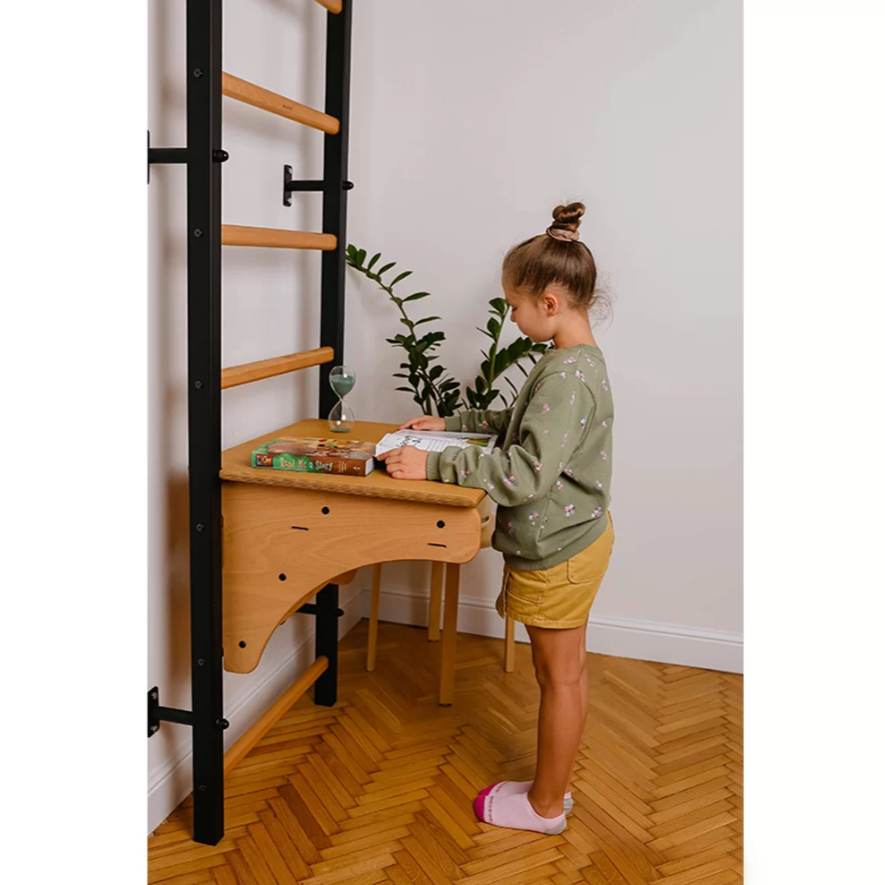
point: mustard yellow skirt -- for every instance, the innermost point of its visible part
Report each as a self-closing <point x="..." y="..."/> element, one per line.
<point x="558" y="597"/>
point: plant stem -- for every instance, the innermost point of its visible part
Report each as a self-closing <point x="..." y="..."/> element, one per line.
<point x="427" y="405"/>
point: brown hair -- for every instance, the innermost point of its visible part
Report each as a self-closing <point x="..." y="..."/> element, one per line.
<point x="555" y="256"/>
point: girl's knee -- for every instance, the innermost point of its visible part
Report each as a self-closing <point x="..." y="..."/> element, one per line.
<point x="558" y="655"/>
<point x="558" y="674"/>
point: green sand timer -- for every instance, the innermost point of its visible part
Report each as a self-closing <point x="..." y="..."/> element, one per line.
<point x="341" y="418"/>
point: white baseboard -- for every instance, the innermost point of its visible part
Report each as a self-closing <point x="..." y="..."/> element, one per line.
<point x="171" y="781"/>
<point x="619" y="637"/>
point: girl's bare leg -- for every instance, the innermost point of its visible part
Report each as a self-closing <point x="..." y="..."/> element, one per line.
<point x="560" y="666"/>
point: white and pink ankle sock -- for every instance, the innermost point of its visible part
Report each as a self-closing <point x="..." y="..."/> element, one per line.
<point x="512" y="809"/>
<point x="509" y="787"/>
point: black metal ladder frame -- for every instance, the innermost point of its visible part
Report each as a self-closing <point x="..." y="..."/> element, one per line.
<point x="204" y="156"/>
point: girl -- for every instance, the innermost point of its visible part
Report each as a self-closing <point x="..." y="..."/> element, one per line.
<point x="550" y="477"/>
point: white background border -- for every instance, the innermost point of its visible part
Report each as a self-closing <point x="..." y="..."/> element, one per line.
<point x="74" y="362"/>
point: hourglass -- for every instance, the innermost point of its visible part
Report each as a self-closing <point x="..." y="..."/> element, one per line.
<point x="341" y="418"/>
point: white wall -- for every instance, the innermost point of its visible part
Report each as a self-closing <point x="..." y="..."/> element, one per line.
<point x="469" y="122"/>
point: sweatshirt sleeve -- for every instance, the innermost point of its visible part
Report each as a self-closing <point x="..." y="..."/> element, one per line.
<point x="551" y="430"/>
<point x="480" y="421"/>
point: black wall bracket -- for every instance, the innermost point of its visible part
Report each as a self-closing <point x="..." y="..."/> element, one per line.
<point x="309" y="608"/>
<point x="291" y="184"/>
<point x="175" y="155"/>
<point x="158" y="714"/>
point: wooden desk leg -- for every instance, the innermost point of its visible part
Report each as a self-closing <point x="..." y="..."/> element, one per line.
<point x="373" y="617"/>
<point x="437" y="571"/>
<point x="450" y="635"/>
<point x="509" y="645"/>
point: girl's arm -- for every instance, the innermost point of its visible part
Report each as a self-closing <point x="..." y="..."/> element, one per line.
<point x="551" y="430"/>
<point x="480" y="421"/>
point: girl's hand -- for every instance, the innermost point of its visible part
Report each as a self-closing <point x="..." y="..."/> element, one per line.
<point x="405" y="463"/>
<point x="425" y="422"/>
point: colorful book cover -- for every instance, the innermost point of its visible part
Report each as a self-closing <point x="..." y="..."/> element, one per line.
<point x="311" y="455"/>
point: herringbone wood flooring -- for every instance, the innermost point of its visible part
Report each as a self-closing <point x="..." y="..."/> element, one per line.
<point x="379" y="789"/>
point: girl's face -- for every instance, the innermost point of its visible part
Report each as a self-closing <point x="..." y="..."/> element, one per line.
<point x="535" y="317"/>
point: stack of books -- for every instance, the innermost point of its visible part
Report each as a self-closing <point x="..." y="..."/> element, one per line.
<point x="312" y="455"/>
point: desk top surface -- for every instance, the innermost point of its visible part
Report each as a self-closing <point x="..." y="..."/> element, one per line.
<point x="236" y="467"/>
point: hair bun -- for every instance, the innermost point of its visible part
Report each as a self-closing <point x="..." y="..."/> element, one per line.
<point x="568" y="217"/>
<point x="566" y="220"/>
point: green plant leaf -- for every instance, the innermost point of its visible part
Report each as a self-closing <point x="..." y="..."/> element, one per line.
<point x="416" y="296"/>
<point x="406" y="389"/>
<point x="386" y="268"/>
<point x="372" y="260"/>
<point x="426" y="320"/>
<point x="500" y="306"/>
<point x="401" y="276"/>
<point x="494" y="326"/>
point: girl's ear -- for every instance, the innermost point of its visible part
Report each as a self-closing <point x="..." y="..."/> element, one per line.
<point x="550" y="303"/>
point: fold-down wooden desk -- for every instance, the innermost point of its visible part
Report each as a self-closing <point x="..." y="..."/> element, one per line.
<point x="288" y="535"/>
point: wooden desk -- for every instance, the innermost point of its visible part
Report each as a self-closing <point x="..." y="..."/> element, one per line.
<point x="288" y="535"/>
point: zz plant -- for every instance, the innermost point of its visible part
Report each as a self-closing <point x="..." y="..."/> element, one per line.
<point x="431" y="386"/>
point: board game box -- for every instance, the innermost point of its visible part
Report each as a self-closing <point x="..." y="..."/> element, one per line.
<point x="311" y="455"/>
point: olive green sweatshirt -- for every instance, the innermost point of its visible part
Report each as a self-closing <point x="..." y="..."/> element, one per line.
<point x="551" y="472"/>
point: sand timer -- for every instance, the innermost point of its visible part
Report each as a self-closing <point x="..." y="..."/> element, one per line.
<point x="341" y="418"/>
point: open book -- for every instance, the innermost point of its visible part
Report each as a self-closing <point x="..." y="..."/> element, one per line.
<point x="434" y="440"/>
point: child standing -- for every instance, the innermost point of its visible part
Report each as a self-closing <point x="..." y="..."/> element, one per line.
<point x="551" y="478"/>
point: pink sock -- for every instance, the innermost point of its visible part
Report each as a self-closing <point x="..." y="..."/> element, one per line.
<point x="514" y="811"/>
<point x="508" y="788"/>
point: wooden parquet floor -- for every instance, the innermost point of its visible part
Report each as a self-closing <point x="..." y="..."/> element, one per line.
<point x="379" y="789"/>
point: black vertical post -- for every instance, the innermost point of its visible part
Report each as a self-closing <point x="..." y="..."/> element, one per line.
<point x="204" y="410"/>
<point x="335" y="185"/>
<point x="335" y="194"/>
<point x="326" y="687"/>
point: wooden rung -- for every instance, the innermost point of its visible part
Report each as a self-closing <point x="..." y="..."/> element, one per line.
<point x="279" y="365"/>
<point x="258" y="97"/>
<point x="273" y="238"/>
<point x="261" y="727"/>
<point x="331" y="5"/>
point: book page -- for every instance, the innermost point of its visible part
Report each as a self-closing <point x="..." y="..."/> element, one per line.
<point x="434" y="441"/>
